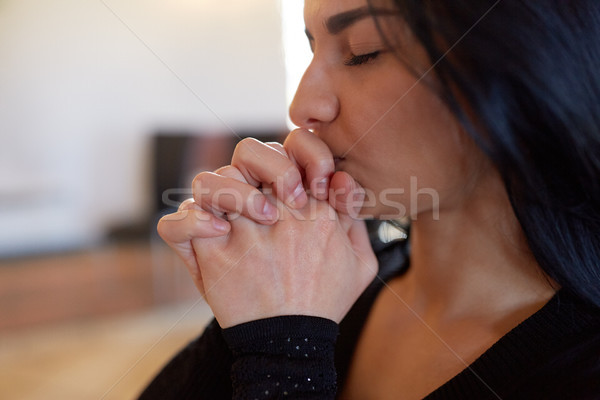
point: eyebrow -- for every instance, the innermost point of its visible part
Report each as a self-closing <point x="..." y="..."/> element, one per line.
<point x="339" y="22"/>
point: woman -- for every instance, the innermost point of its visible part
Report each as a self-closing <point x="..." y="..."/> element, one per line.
<point x="477" y="120"/>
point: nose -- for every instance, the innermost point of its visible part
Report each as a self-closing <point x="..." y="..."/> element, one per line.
<point x="315" y="102"/>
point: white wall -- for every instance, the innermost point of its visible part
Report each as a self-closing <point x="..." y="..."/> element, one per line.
<point x="84" y="83"/>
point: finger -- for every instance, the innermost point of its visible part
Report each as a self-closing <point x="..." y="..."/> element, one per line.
<point x="261" y="164"/>
<point x="313" y="157"/>
<point x="266" y="188"/>
<point x="231" y="172"/>
<point x="190" y="204"/>
<point x="220" y="194"/>
<point x="345" y="195"/>
<point x="178" y="230"/>
<point x="189" y="222"/>
<point x="359" y="240"/>
<point x="277" y="146"/>
<point x="234" y="173"/>
<point x="187" y="204"/>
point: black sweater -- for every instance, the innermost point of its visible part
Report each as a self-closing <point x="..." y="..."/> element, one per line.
<point x="554" y="354"/>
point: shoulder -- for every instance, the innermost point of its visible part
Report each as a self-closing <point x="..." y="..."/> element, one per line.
<point x="570" y="368"/>
<point x="572" y="371"/>
<point x="554" y="354"/>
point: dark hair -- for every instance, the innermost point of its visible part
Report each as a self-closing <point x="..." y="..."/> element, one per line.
<point x="528" y="76"/>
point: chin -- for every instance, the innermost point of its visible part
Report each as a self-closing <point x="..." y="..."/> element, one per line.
<point x="389" y="211"/>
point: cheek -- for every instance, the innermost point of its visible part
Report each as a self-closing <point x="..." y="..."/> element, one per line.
<point x="402" y="136"/>
<point x="417" y="155"/>
<point x="374" y="98"/>
<point x="443" y="147"/>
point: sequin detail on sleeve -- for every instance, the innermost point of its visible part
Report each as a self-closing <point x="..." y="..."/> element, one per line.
<point x="283" y="357"/>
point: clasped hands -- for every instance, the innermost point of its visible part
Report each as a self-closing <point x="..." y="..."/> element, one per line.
<point x="258" y="244"/>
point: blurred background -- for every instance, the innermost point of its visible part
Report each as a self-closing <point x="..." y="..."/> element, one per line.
<point x="108" y="108"/>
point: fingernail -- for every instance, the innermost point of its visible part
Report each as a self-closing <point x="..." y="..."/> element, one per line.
<point x="321" y="188"/>
<point x="298" y="196"/>
<point x="269" y="210"/>
<point x="220" y="225"/>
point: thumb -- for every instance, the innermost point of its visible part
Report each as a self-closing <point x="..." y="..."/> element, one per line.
<point x="345" y="194"/>
<point x="356" y="231"/>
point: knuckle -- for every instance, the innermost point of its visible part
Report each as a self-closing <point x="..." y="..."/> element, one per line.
<point x="187" y="204"/>
<point x="291" y="174"/>
<point x="243" y="148"/>
<point x="224" y="169"/>
<point x="292" y="139"/>
<point x="229" y="171"/>
<point x="199" y="180"/>
<point x="278" y="147"/>
<point x="162" y="229"/>
<point x="201" y="183"/>
<point x="322" y="164"/>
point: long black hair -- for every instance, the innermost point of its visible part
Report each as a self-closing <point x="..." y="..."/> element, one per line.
<point x="527" y="73"/>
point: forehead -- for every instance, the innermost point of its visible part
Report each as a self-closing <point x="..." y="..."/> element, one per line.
<point x="315" y="9"/>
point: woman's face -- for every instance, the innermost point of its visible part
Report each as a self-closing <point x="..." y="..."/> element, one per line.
<point x="384" y="125"/>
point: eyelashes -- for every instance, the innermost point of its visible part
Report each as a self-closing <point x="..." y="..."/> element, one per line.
<point x="361" y="59"/>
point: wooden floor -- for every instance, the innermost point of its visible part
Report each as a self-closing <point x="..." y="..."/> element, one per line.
<point x="109" y="279"/>
<point x="108" y="358"/>
<point x="95" y="324"/>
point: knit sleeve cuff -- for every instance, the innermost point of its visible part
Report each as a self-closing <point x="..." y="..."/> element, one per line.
<point x="290" y="356"/>
<point x="293" y="326"/>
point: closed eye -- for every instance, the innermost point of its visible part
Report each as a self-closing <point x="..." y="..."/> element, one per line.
<point x="361" y="59"/>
